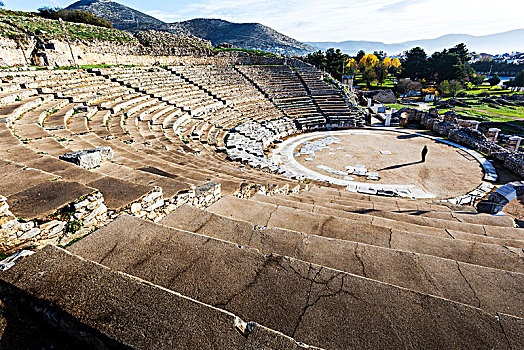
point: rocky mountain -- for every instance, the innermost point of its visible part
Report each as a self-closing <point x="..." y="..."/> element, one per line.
<point x="495" y="43"/>
<point x="242" y="35"/>
<point x="121" y="16"/>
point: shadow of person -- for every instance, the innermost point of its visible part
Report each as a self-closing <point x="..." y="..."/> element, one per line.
<point x="400" y="166"/>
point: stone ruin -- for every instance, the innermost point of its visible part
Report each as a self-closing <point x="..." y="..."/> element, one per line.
<point x="465" y="132"/>
<point x="233" y="255"/>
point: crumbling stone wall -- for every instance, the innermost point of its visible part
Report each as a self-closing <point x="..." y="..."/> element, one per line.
<point x="82" y="215"/>
<point x="131" y="53"/>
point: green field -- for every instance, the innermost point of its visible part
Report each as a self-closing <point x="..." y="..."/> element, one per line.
<point x="493" y="111"/>
<point x="398" y="106"/>
<point x="509" y="119"/>
<point x="495" y="90"/>
<point x="388" y="83"/>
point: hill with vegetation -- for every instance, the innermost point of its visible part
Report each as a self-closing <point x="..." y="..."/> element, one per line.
<point x="21" y="26"/>
<point x="242" y="35"/>
<point x="253" y="36"/>
<point x="25" y="27"/>
<point x="121" y="16"/>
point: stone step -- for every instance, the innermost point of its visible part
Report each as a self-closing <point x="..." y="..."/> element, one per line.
<point x="119" y="194"/>
<point x="408" y="221"/>
<point x="313" y="304"/>
<point x="269" y="215"/>
<point x="16" y="177"/>
<point x="343" y="196"/>
<point x="422" y="210"/>
<point x="46" y="198"/>
<point x="444" y="231"/>
<point x="111" y="310"/>
<point x="489" y="289"/>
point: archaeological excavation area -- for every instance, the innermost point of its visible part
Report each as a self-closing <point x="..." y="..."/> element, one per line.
<point x="240" y="206"/>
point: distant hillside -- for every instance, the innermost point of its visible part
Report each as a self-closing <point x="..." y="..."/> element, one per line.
<point x="122" y="17"/>
<point x="243" y="35"/>
<point x="495" y="43"/>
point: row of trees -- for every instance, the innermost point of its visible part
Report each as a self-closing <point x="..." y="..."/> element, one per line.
<point x="77" y="16"/>
<point x="487" y="65"/>
<point x="518" y="81"/>
<point x="449" y="64"/>
<point x="372" y="67"/>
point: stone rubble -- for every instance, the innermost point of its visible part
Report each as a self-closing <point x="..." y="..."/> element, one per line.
<point x="472" y="197"/>
<point x="501" y="197"/>
<point x="153" y="206"/>
<point x="78" y="218"/>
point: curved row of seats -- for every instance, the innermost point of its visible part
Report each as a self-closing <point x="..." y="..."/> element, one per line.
<point x="324" y="267"/>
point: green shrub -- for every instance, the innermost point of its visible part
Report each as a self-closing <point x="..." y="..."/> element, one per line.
<point x="76" y="16"/>
<point x="73" y="226"/>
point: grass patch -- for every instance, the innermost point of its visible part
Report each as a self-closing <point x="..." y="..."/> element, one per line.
<point x="398" y="106"/>
<point x="494" y="111"/>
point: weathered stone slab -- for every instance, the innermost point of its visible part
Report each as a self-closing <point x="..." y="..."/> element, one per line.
<point x="118" y="193"/>
<point x="44" y="199"/>
<point x="107" y="309"/>
<point x="384" y="233"/>
<point x="469" y="284"/>
<point x="90" y="158"/>
<point x="313" y="304"/>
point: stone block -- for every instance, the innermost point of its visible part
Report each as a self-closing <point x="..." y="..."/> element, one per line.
<point x="90" y="158"/>
<point x="52" y="228"/>
<point x="136" y="208"/>
<point x="30" y="234"/>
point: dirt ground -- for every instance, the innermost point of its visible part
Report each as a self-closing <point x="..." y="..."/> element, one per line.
<point x="448" y="172"/>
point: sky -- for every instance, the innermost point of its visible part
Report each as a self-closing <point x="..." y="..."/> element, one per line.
<point x="388" y="21"/>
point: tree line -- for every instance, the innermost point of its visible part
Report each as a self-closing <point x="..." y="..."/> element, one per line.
<point x="487" y="65"/>
<point x="372" y="67"/>
<point x="448" y="69"/>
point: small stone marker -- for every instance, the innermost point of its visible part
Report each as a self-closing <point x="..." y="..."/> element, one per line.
<point x="89" y="158"/>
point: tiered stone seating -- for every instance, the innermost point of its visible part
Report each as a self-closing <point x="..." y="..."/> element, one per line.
<point x="329" y="101"/>
<point x="40" y="134"/>
<point x="283" y="86"/>
<point x="322" y="267"/>
<point x="107" y="309"/>
<point x="364" y="295"/>
<point x="167" y="126"/>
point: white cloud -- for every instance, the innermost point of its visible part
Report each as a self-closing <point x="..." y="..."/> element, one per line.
<point x="396" y="6"/>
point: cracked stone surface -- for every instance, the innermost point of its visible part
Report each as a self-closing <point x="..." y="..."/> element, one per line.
<point x="403" y="221"/>
<point x="490" y="289"/>
<point x="257" y="213"/>
<point x="315" y="304"/>
<point x="134" y="313"/>
<point x="405" y="226"/>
